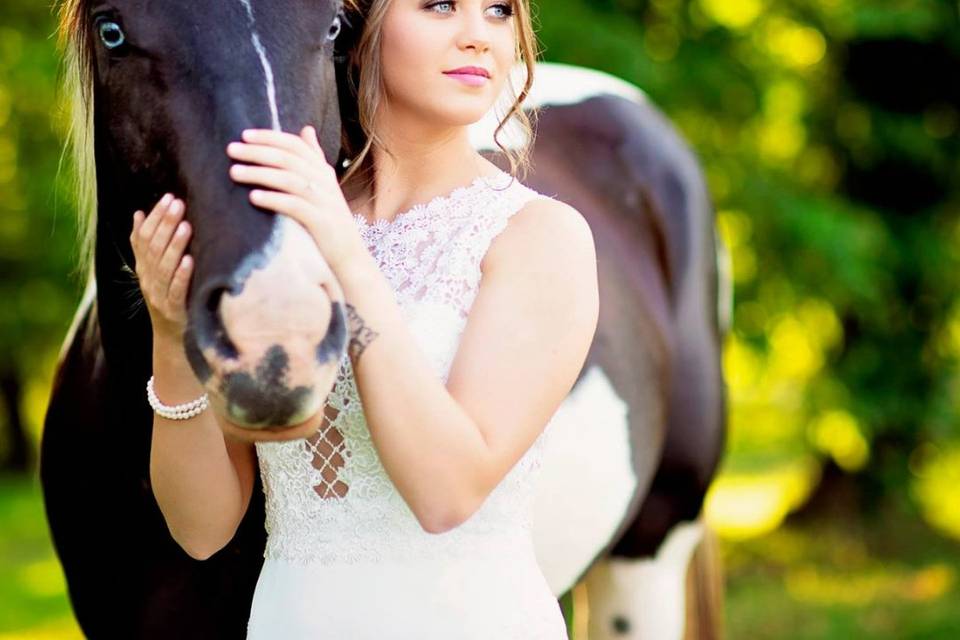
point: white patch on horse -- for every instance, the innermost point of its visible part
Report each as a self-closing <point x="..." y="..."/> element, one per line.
<point x="267" y="69"/>
<point x="587" y="448"/>
<point x="643" y="598"/>
<point x="553" y="85"/>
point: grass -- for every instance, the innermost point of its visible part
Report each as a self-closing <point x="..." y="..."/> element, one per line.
<point x="33" y="592"/>
<point x="830" y="579"/>
<point x="892" y="578"/>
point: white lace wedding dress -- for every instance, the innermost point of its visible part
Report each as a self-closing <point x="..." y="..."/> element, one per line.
<point x="345" y="558"/>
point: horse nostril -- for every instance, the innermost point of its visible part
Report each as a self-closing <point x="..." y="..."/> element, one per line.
<point x="210" y="329"/>
<point x="333" y="345"/>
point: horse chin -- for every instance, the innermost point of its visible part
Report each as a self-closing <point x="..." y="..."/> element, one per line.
<point x="303" y="420"/>
<point x="268" y="393"/>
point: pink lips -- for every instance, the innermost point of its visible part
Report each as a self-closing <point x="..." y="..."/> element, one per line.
<point x="472" y="76"/>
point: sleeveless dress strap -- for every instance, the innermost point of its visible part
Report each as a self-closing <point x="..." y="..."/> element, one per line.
<point x="509" y="197"/>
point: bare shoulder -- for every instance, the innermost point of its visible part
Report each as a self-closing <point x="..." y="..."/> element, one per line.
<point x="544" y="230"/>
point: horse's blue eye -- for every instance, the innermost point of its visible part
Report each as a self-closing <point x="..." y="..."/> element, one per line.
<point x="334" y="30"/>
<point x="111" y="34"/>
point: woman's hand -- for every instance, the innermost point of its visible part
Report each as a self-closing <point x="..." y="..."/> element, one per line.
<point x="299" y="183"/>
<point x="158" y="242"/>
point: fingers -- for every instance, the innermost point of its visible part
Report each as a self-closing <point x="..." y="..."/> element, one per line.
<point x="146" y="229"/>
<point x="173" y="252"/>
<point x="164" y="231"/>
<point x="305" y="146"/>
<point x="158" y="241"/>
<point x="138" y="217"/>
<point x="177" y="293"/>
<point x="309" y="134"/>
<point x="278" y="179"/>
<point x="268" y="155"/>
<point x="294" y="206"/>
<point x="288" y="141"/>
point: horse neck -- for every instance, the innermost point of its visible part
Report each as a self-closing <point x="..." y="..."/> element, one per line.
<point x="125" y="330"/>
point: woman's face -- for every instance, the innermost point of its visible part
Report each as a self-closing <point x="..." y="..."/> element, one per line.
<point x="424" y="40"/>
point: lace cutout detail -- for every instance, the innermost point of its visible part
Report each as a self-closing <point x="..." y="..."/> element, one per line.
<point x="329" y="450"/>
<point x="328" y="497"/>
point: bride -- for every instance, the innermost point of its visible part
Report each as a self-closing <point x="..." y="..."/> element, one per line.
<point x="472" y="301"/>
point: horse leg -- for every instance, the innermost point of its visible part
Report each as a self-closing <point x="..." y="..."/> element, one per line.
<point x="705" y="590"/>
<point x="672" y="595"/>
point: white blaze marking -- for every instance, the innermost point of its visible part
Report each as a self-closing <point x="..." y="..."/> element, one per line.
<point x="267" y="69"/>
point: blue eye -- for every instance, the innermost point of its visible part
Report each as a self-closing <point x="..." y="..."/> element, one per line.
<point x="505" y="10"/>
<point x="334" y="30"/>
<point x="441" y="4"/>
<point x="111" y="34"/>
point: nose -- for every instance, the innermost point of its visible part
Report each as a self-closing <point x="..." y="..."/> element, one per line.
<point x="271" y="339"/>
<point x="475" y="31"/>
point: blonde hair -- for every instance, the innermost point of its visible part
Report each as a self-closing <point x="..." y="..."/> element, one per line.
<point x="365" y="82"/>
<point x="75" y="42"/>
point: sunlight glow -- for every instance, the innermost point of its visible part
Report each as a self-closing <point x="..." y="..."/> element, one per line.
<point x="937" y="489"/>
<point x="813" y="584"/>
<point x="796" y="45"/>
<point x="838" y="434"/>
<point x="733" y="14"/>
<point x="43" y="578"/>
<point x="745" y="505"/>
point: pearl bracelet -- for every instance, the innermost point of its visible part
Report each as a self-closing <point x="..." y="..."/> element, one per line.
<point x="183" y="411"/>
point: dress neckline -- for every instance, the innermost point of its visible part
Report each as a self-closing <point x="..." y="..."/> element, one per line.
<point x="422" y="207"/>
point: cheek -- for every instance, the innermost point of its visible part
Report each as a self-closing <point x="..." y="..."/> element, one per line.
<point x="504" y="48"/>
<point x="408" y="50"/>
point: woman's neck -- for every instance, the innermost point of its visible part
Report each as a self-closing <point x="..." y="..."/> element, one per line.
<point x="416" y="171"/>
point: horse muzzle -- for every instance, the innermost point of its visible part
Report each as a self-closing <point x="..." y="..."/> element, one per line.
<point x="268" y="342"/>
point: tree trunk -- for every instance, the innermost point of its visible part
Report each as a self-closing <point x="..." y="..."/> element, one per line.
<point x="19" y="456"/>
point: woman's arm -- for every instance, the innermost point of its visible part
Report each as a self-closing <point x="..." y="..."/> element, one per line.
<point x="527" y="337"/>
<point x="202" y="480"/>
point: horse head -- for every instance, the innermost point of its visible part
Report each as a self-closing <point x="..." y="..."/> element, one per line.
<point x="171" y="84"/>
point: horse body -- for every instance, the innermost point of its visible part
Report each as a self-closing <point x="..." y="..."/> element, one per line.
<point x="650" y="384"/>
<point x="638" y="440"/>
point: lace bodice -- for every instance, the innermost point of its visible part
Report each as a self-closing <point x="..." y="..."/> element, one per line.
<point x="328" y="497"/>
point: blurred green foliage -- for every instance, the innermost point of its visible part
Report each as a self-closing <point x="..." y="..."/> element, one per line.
<point x="843" y="578"/>
<point x="32" y="586"/>
<point x="37" y="225"/>
<point x="828" y="130"/>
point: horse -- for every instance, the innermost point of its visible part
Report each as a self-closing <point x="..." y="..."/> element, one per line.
<point x="651" y="392"/>
<point x="159" y="94"/>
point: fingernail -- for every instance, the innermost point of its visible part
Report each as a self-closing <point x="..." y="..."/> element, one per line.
<point x="165" y="200"/>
